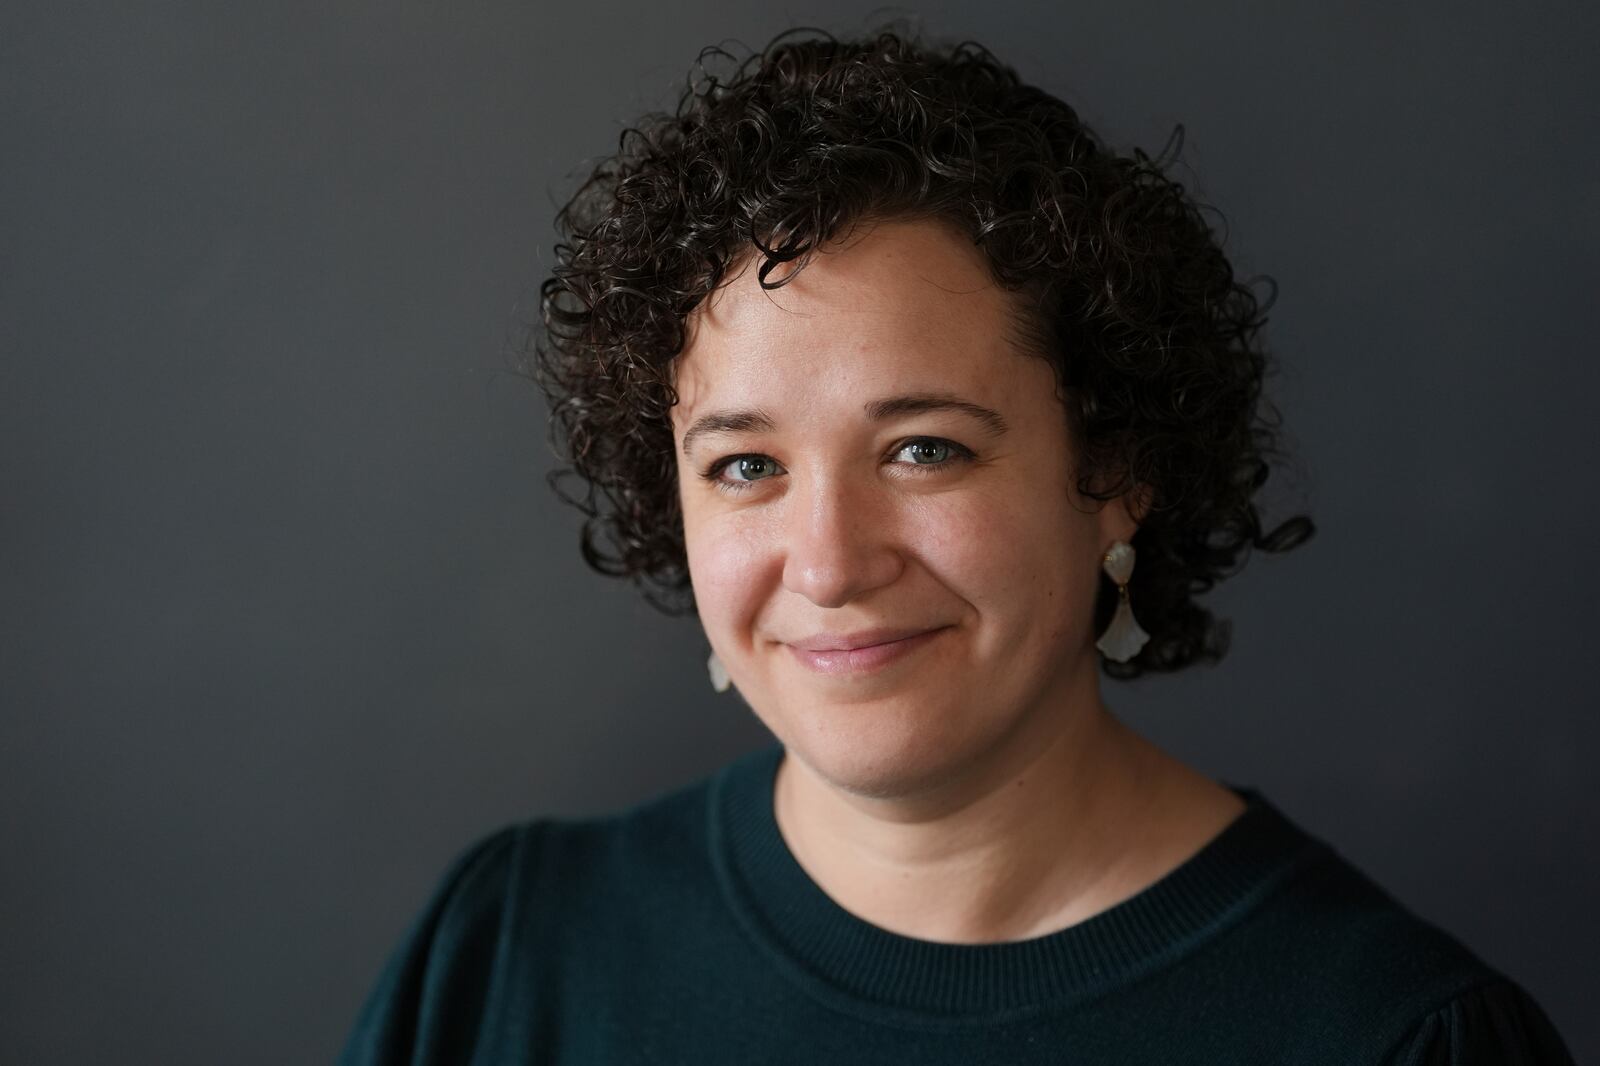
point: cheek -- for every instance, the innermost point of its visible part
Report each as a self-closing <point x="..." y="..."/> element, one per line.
<point x="728" y="563"/>
<point x="1017" y="558"/>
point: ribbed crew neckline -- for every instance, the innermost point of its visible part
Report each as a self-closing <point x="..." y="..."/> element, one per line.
<point x="864" y="969"/>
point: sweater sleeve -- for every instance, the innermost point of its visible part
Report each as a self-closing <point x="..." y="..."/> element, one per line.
<point x="429" y="1001"/>
<point x="1492" y="1024"/>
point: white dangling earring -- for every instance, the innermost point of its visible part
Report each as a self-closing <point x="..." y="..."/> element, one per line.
<point x="719" y="673"/>
<point x="1123" y="638"/>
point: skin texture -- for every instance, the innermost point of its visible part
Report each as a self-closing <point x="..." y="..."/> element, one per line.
<point x="976" y="789"/>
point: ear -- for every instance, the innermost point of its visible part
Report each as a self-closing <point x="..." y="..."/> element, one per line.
<point x="1121" y="517"/>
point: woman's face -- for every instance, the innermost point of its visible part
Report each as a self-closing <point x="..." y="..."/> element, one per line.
<point x="864" y="456"/>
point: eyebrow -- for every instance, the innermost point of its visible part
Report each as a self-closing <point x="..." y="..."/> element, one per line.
<point x="758" y="421"/>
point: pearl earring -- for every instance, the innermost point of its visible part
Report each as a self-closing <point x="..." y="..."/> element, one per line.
<point x="719" y="673"/>
<point x="1123" y="638"/>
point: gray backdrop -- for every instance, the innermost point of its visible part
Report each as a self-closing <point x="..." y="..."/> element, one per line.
<point x="289" y="618"/>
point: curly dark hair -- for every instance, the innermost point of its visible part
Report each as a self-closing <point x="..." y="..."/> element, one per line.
<point x="1120" y="285"/>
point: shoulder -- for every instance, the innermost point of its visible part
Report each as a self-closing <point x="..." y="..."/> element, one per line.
<point x="546" y="858"/>
<point x="524" y="875"/>
<point x="511" y="903"/>
<point x="1490" y="1023"/>
<point x="1346" y="957"/>
<point x="433" y="989"/>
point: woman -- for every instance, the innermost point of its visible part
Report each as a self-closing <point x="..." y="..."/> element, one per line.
<point x="933" y="409"/>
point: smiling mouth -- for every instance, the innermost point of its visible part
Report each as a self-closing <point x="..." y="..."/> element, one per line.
<point x="865" y="659"/>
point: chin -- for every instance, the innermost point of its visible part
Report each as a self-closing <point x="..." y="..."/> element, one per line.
<point x="878" y="753"/>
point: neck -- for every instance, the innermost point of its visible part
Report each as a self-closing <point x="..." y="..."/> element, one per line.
<point x="1043" y="832"/>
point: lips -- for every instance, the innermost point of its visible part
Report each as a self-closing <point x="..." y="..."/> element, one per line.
<point x="861" y="638"/>
<point x="865" y="651"/>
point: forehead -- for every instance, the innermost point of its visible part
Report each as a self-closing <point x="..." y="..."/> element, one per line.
<point x="896" y="305"/>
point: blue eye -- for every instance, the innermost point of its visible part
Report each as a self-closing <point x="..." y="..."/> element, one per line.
<point x="752" y="467"/>
<point x="928" y="451"/>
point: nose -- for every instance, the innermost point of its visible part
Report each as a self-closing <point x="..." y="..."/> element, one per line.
<point x="839" y="540"/>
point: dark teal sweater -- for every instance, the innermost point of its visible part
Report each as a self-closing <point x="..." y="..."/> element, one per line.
<point x="683" y="931"/>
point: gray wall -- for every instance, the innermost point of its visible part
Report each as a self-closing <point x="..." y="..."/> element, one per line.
<point x="288" y="616"/>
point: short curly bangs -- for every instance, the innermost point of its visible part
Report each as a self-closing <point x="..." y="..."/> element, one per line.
<point x="1120" y="285"/>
